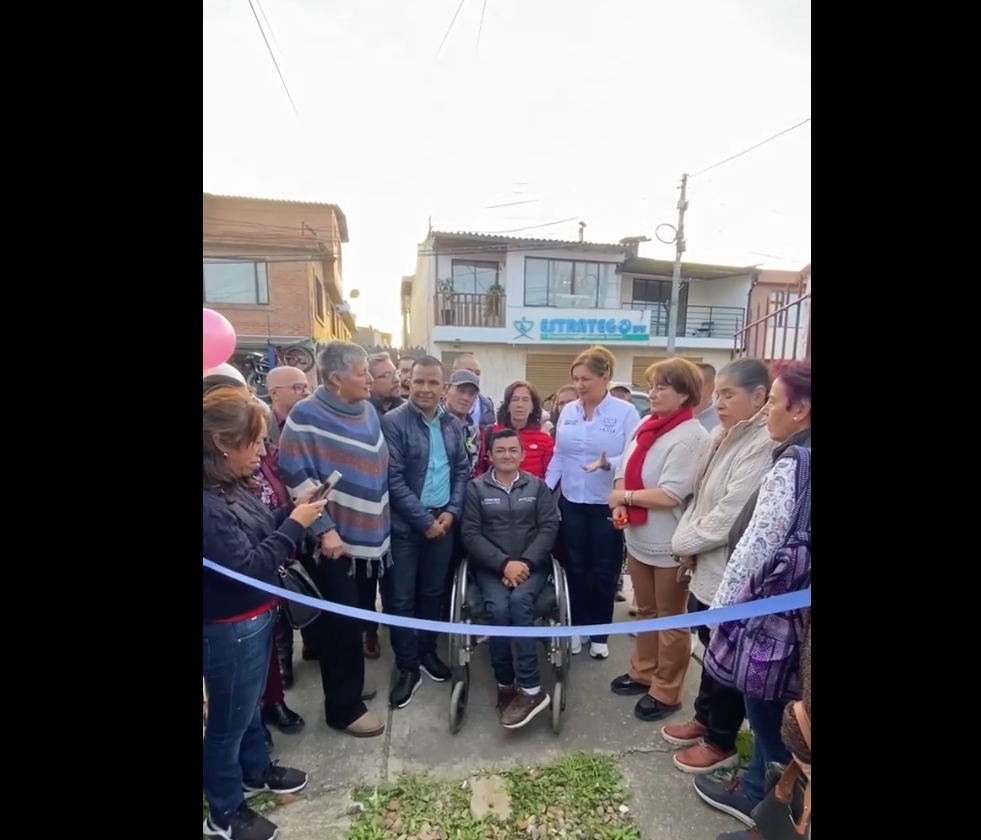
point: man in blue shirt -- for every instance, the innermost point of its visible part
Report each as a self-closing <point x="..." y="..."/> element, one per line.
<point x="427" y="482"/>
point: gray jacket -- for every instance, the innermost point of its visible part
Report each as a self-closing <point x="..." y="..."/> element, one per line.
<point x="499" y="526"/>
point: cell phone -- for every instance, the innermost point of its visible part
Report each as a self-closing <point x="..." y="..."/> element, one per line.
<point x="332" y="481"/>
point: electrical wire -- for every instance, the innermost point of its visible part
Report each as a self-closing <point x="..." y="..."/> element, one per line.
<point x="750" y="149"/>
<point x="272" y="55"/>
<point x="449" y="29"/>
<point x="480" y="29"/>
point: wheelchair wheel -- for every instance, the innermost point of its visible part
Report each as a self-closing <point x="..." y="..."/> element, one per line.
<point x="459" y="695"/>
<point x="558" y="706"/>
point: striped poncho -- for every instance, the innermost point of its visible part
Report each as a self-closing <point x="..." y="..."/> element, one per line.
<point x="323" y="434"/>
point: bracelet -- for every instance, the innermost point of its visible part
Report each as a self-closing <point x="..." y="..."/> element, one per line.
<point x="628" y="498"/>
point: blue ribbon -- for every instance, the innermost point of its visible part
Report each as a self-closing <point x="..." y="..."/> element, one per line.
<point x="737" y="612"/>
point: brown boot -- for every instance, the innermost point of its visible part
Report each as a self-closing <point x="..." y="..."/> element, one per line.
<point x="369" y="725"/>
<point x="704" y="758"/>
<point x="504" y="698"/>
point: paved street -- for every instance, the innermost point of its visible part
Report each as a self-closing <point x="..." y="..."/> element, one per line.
<point x="418" y="739"/>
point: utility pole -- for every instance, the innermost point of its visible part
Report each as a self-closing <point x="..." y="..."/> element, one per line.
<point x="679" y="250"/>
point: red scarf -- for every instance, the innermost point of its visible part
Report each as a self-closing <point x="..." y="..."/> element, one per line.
<point x="647" y="435"/>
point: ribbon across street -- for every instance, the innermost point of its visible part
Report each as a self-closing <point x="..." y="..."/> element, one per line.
<point x="737" y="612"/>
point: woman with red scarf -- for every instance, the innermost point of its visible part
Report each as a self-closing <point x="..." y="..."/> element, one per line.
<point x="656" y="477"/>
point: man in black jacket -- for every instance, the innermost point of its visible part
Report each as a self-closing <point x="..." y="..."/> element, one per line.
<point x="510" y="523"/>
<point x="427" y="482"/>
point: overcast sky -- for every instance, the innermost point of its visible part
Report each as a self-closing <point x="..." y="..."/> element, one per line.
<point x="583" y="108"/>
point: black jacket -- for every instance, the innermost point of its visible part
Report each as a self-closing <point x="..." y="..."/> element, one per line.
<point x="520" y="525"/>
<point x="380" y="406"/>
<point x="406" y="431"/>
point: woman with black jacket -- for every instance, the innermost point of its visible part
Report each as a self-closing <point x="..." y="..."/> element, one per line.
<point x="239" y="620"/>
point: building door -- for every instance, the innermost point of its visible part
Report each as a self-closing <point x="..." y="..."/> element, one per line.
<point x="642" y="363"/>
<point x="548" y="371"/>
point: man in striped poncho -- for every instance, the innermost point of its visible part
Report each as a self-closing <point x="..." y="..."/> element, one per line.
<point x="336" y="428"/>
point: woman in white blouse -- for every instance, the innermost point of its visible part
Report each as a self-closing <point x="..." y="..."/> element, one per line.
<point x="655" y="477"/>
<point x="591" y="435"/>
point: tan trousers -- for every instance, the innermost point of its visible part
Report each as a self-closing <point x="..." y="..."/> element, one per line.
<point x="660" y="659"/>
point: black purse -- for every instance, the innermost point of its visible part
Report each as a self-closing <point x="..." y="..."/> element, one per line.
<point x="294" y="578"/>
<point x="785" y="812"/>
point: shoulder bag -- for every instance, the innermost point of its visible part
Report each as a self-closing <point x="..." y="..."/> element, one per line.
<point x="785" y="812"/>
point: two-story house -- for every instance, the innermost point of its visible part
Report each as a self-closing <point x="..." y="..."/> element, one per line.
<point x="273" y="268"/>
<point x="778" y="323"/>
<point x="528" y="307"/>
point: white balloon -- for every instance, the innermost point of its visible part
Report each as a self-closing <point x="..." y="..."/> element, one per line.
<point x="226" y="369"/>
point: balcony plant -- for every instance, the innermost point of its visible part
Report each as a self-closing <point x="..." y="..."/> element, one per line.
<point x="495" y="294"/>
<point x="447" y="300"/>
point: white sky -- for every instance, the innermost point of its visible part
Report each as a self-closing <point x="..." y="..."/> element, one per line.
<point x="593" y="108"/>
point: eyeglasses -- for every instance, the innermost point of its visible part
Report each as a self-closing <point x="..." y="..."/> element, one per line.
<point x="296" y="388"/>
<point x="389" y="374"/>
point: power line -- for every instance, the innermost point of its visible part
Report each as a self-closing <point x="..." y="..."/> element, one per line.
<point x="449" y="29"/>
<point x="272" y="32"/>
<point x="272" y="55"/>
<point x="480" y="29"/>
<point x="750" y="149"/>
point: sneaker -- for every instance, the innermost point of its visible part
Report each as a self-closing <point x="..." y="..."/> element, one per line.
<point x="433" y="667"/>
<point x="649" y="710"/>
<point x="684" y="734"/>
<point x="504" y="698"/>
<point x="703" y="758"/>
<point x="244" y="824"/>
<point x="405" y="689"/>
<point x="728" y="797"/>
<point x="283" y="718"/>
<point x="369" y="725"/>
<point x="524" y="708"/>
<point x="575" y="645"/>
<point x="599" y="650"/>
<point x="627" y="686"/>
<point x="277" y="779"/>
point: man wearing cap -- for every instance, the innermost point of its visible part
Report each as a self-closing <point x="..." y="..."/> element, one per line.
<point x="483" y="413"/>
<point x="462" y="394"/>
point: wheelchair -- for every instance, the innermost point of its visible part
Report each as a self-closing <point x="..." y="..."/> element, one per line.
<point x="467" y="607"/>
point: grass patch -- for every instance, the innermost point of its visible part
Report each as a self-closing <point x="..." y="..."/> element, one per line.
<point x="581" y="797"/>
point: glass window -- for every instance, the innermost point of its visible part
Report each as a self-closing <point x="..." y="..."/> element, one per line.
<point x="536" y="281"/>
<point x="235" y="282"/>
<point x="585" y="285"/>
<point x="475" y="278"/>
<point x="609" y="286"/>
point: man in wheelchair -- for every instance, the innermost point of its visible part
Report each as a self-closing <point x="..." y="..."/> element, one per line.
<point x="510" y="522"/>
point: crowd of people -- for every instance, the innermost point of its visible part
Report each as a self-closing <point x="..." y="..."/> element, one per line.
<point x="705" y="499"/>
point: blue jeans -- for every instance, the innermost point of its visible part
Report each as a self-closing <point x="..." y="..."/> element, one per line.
<point x="765" y="718"/>
<point x="595" y="550"/>
<point x="414" y="587"/>
<point x="236" y="665"/>
<point x="516" y="608"/>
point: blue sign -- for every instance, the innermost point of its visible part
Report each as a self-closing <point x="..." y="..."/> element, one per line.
<point x="605" y="329"/>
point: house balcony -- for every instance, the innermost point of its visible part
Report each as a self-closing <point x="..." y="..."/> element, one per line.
<point x="695" y="322"/>
<point x="464" y="309"/>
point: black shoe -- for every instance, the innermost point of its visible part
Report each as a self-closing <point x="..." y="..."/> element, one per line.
<point x="268" y="736"/>
<point x="244" y="824"/>
<point x="648" y="709"/>
<point x="277" y="779"/>
<point x="626" y="686"/>
<point x="404" y="689"/>
<point x="433" y="668"/>
<point x="283" y="718"/>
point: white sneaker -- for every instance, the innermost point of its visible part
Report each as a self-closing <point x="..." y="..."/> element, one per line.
<point x="598" y="650"/>
<point x="576" y="645"/>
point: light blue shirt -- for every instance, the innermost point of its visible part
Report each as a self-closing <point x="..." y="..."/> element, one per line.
<point x="436" y="487"/>
<point x="579" y="442"/>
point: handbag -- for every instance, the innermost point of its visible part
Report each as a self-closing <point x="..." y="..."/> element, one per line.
<point x="785" y="812"/>
<point x="760" y="657"/>
<point x="294" y="578"/>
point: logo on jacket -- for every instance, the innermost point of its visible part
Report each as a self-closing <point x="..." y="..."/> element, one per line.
<point x="491" y="501"/>
<point x="609" y="422"/>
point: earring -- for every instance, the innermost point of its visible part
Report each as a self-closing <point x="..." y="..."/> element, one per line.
<point x="224" y="454"/>
<point x="796" y="418"/>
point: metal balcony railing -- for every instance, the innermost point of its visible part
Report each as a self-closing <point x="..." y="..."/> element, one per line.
<point x="781" y="333"/>
<point x="464" y="309"/>
<point x="695" y="321"/>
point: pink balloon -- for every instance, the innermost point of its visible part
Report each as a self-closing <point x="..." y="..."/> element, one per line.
<point x="219" y="339"/>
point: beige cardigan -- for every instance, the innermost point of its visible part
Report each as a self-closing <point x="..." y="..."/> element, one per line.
<point x="731" y="468"/>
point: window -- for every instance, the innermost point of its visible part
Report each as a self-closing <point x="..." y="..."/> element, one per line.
<point x="780" y="299"/>
<point x="229" y="281"/>
<point x="655" y="294"/>
<point x="571" y="284"/>
<point x="320" y="299"/>
<point x="475" y="278"/>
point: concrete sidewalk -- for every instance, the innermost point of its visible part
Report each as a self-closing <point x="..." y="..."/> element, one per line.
<point x="418" y="739"/>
